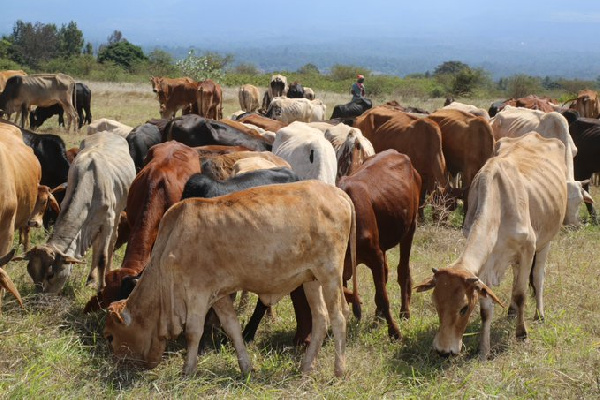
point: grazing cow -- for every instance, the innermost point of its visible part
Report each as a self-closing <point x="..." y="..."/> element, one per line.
<point x="587" y="104"/>
<point x="468" y="108"/>
<point x="248" y="97"/>
<point x="20" y="175"/>
<point x="140" y="140"/>
<point x="308" y="152"/>
<point x="372" y="119"/>
<point x="267" y="124"/>
<point x="194" y="130"/>
<point x="309" y="93"/>
<point x="222" y="167"/>
<point x="585" y="133"/>
<point x="99" y="180"/>
<point x="467" y="142"/>
<point x="104" y="125"/>
<point x="351" y="147"/>
<point x="278" y="87"/>
<point x="393" y="104"/>
<point x="174" y="95"/>
<point x="82" y="99"/>
<point x="295" y="91"/>
<point x="290" y="110"/>
<point x="21" y="92"/>
<point x="531" y="102"/>
<point x="192" y="269"/>
<point x="518" y="201"/>
<point x="353" y="109"/>
<point x="209" y="100"/>
<point x="156" y="188"/>
<point x="513" y="122"/>
<point x="421" y="140"/>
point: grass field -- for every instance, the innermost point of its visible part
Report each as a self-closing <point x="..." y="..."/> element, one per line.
<point x="52" y="350"/>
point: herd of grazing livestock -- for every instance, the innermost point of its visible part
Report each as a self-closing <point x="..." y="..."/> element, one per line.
<point x="303" y="200"/>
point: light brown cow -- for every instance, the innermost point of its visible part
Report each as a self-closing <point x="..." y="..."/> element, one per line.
<point x="4" y="75"/>
<point x="372" y="119"/>
<point x="209" y="100"/>
<point x="306" y="229"/>
<point x="249" y="164"/>
<point x="518" y="201"/>
<point x="222" y="167"/>
<point x="587" y="104"/>
<point x="267" y="124"/>
<point x="248" y="95"/>
<point x="174" y="95"/>
<point x="467" y="142"/>
<point x="20" y="174"/>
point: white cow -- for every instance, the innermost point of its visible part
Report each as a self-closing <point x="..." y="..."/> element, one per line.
<point x="104" y="125"/>
<point x="350" y="145"/>
<point x="97" y="188"/>
<point x="516" y="121"/>
<point x="468" y="108"/>
<point x="517" y="202"/>
<point x="310" y="155"/>
<point x="290" y="110"/>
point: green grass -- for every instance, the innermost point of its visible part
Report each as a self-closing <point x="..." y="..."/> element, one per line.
<point x="51" y="350"/>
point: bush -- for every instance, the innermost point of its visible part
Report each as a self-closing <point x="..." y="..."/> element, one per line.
<point x="123" y="54"/>
<point x="522" y="85"/>
<point x="344" y="72"/>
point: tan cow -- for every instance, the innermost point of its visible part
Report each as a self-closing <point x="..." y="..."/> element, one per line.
<point x="222" y="167"/>
<point x="248" y="95"/>
<point x="518" y="201"/>
<point x="249" y="164"/>
<point x="209" y="100"/>
<point x="20" y="174"/>
<point x="4" y="75"/>
<point x="109" y="126"/>
<point x="587" y="104"/>
<point x="305" y="231"/>
<point x="174" y="95"/>
<point x="21" y="92"/>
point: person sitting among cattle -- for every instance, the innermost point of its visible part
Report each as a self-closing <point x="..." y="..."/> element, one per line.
<point x="358" y="88"/>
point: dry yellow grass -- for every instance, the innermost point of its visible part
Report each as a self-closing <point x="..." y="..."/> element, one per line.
<point x="51" y="350"/>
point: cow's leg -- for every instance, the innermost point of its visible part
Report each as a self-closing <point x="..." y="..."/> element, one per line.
<point x="24" y="237"/>
<point x="103" y="260"/>
<point x="404" y="278"/>
<point x="486" y="306"/>
<point x="538" y="274"/>
<point x="24" y="114"/>
<point x="93" y="275"/>
<point x="194" y="328"/>
<point x="226" y="313"/>
<point x="252" y="325"/>
<point x="61" y="119"/>
<point x="338" y="311"/>
<point x="520" y="286"/>
<point x="590" y="206"/>
<point x="319" y="323"/>
<point x="377" y="264"/>
<point x="303" y="316"/>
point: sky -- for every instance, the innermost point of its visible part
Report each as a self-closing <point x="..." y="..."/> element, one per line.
<point x="185" y="23"/>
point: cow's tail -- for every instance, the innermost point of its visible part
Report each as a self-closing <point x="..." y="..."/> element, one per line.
<point x="356" y="309"/>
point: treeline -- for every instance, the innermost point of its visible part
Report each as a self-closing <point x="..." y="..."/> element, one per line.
<point x="47" y="48"/>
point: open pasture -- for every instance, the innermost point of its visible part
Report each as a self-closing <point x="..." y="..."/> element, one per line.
<point x="51" y="349"/>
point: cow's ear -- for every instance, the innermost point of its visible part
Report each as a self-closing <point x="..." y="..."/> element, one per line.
<point x="53" y="204"/>
<point x="425" y="285"/>
<point x="119" y="312"/>
<point x="484" y="291"/>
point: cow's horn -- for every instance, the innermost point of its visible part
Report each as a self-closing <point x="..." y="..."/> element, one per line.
<point x="434" y="270"/>
<point x="4" y="260"/>
<point x="6" y="283"/>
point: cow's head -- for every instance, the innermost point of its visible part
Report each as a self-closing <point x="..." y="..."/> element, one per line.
<point x="49" y="268"/>
<point x="45" y="200"/>
<point x="133" y="339"/>
<point x="455" y="294"/>
<point x="119" y="285"/>
<point x="5" y="281"/>
<point x="576" y="194"/>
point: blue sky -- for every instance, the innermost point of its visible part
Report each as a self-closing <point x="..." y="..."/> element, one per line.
<point x="176" y="22"/>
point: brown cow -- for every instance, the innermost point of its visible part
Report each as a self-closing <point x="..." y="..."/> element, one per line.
<point x="421" y="140"/>
<point x="267" y="124"/>
<point x="532" y="102"/>
<point x="222" y="167"/>
<point x="248" y="96"/>
<point x="372" y="119"/>
<point x="467" y="143"/>
<point x="174" y="95"/>
<point x="157" y="187"/>
<point x="209" y="100"/>
<point x="587" y="104"/>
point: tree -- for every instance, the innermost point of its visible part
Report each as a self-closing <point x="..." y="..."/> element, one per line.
<point x="115" y="37"/>
<point x="308" y="69"/>
<point x="246" y="69"/>
<point x="122" y="53"/>
<point x="32" y="44"/>
<point x="522" y="85"/>
<point x="89" y="49"/>
<point x="160" y="63"/>
<point x="344" y="72"/>
<point x="70" y="40"/>
<point x="449" y="68"/>
<point x="208" y="66"/>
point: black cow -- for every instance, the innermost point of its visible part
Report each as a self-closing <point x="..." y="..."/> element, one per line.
<point x="352" y="109"/>
<point x="194" y="130"/>
<point x="586" y="136"/>
<point x="496" y="107"/>
<point x="295" y="91"/>
<point x="82" y="100"/>
<point x="140" y="139"/>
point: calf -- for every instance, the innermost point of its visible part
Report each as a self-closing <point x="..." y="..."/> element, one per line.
<point x="82" y="100"/>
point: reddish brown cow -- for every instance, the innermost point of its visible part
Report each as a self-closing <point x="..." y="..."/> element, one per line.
<point x="467" y="142"/>
<point x="156" y="188"/>
<point x="421" y="140"/>
<point x="372" y="119"/>
<point x="175" y="94"/>
<point x="209" y="100"/>
<point x="267" y="124"/>
<point x="532" y="102"/>
<point x="71" y="154"/>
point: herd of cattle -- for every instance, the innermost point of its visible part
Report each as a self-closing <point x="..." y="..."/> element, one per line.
<point x="211" y="206"/>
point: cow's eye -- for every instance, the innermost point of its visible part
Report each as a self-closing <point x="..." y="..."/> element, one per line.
<point x="464" y="310"/>
<point x="109" y="338"/>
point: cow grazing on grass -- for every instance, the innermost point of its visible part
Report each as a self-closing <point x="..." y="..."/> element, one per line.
<point x="248" y="96"/>
<point x="517" y="205"/>
<point x="157" y="187"/>
<point x="263" y="122"/>
<point x="306" y="228"/>
<point x="82" y="100"/>
<point x="21" y="92"/>
<point x="98" y="183"/>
